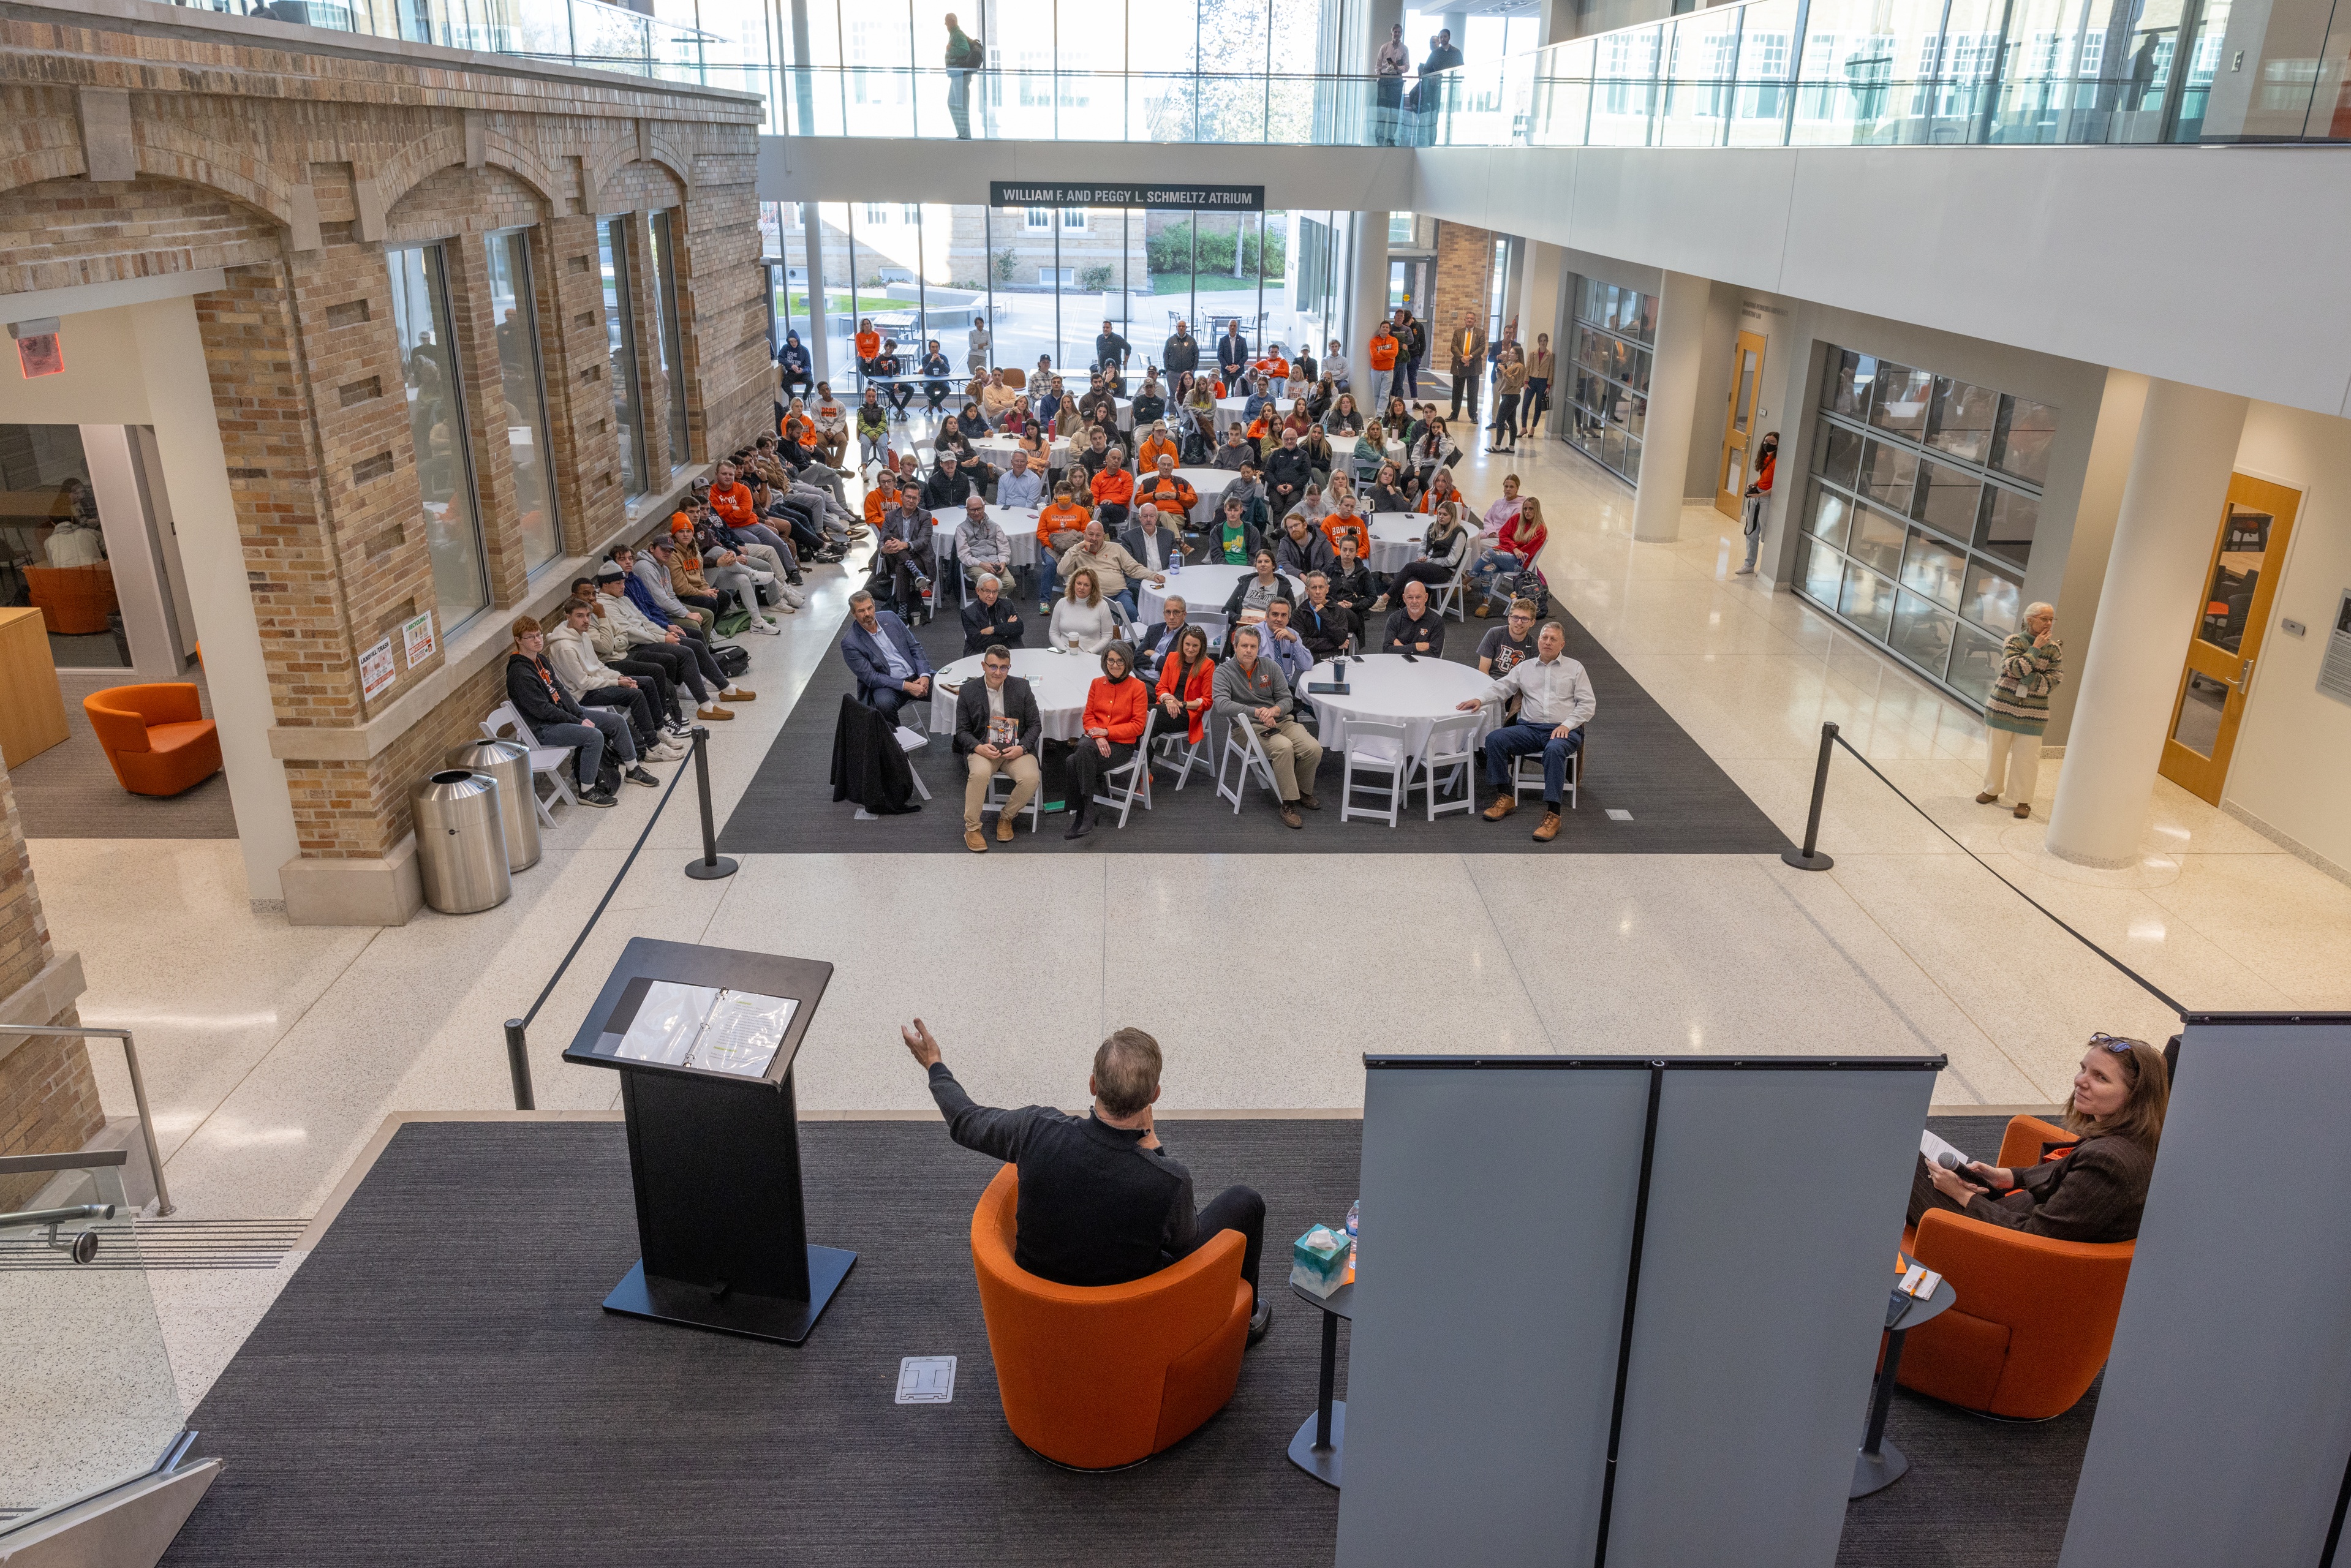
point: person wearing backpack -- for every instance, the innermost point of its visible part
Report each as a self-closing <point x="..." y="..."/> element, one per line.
<point x="966" y="55"/>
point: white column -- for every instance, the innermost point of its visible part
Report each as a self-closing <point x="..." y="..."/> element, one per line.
<point x="1367" y="303"/>
<point x="187" y="434"/>
<point x="2171" y="506"/>
<point x="131" y="550"/>
<point x="819" y="344"/>
<point x="1673" y="404"/>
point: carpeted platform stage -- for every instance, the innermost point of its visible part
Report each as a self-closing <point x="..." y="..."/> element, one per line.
<point x="438" y="1386"/>
<point x="1642" y="762"/>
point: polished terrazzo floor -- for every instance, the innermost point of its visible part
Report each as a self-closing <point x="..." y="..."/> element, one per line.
<point x="273" y="1053"/>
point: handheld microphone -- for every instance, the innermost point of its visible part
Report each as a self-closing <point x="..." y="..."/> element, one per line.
<point x="1957" y="1167"/>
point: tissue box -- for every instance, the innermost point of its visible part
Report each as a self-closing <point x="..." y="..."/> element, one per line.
<point x="1318" y="1260"/>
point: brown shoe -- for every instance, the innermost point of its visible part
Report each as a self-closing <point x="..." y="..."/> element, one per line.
<point x="1485" y="610"/>
<point x="2025" y="809"/>
<point x="1548" y="829"/>
<point x="1308" y="803"/>
<point x="1502" y="807"/>
<point x="712" y="714"/>
<point x="1290" y="816"/>
<point x="975" y="841"/>
<point x="737" y="695"/>
<point x="1004" y="828"/>
<point x="1987" y="797"/>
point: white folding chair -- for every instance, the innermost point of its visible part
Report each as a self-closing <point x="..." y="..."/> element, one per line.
<point x="910" y="741"/>
<point x="1451" y="598"/>
<point x="1526" y="773"/>
<point x="1215" y="622"/>
<point x="1180" y="751"/>
<point x="1241" y="746"/>
<point x="995" y="798"/>
<point x="1379" y="750"/>
<point x="546" y="761"/>
<point x="1136" y="770"/>
<point x="1450" y="759"/>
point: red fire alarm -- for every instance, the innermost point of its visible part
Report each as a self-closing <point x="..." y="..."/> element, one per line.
<point x="39" y="351"/>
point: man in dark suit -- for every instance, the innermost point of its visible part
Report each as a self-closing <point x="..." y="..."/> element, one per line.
<point x="990" y="616"/>
<point x="1153" y="646"/>
<point x="996" y="730"/>
<point x="1232" y="359"/>
<point x="890" y="665"/>
<point x="1468" y="366"/>
<point x="1149" y="540"/>
<point x="1100" y="1203"/>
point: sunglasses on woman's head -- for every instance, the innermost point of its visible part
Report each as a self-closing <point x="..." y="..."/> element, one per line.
<point x="2116" y="1043"/>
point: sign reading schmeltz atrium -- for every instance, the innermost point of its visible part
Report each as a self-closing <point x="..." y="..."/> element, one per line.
<point x="1209" y="198"/>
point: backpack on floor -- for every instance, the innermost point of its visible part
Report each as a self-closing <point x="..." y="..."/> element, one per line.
<point x="731" y="659"/>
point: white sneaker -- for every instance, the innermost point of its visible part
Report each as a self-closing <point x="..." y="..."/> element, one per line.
<point x="668" y="753"/>
<point x="765" y="628"/>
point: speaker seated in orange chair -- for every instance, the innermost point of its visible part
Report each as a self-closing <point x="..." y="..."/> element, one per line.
<point x="1102" y="1377"/>
<point x="2040" y="1269"/>
<point x="74" y="600"/>
<point x="156" y="737"/>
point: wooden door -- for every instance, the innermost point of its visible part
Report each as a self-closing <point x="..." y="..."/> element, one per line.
<point x="2248" y="554"/>
<point x="1738" y="424"/>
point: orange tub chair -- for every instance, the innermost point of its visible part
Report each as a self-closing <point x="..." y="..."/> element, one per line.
<point x="156" y="737"/>
<point x="2035" y="1317"/>
<point x="1099" y="1377"/>
<point x="74" y="600"/>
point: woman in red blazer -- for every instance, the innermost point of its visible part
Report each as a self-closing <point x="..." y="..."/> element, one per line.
<point x="1186" y="678"/>
<point x="1116" y="707"/>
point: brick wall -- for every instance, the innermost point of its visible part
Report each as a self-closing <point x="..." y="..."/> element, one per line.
<point x="49" y="1100"/>
<point x="296" y="174"/>
<point x="1464" y="281"/>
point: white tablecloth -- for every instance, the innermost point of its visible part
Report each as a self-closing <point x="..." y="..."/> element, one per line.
<point x="1234" y="409"/>
<point x="1200" y="587"/>
<point x="1395" y="540"/>
<point x="1388" y="690"/>
<point x="1020" y="527"/>
<point x="998" y="450"/>
<point x="1059" y="682"/>
<point x="1211" y="483"/>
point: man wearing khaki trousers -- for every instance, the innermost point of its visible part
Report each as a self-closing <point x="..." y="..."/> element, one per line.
<point x="1253" y="691"/>
<point x="996" y="730"/>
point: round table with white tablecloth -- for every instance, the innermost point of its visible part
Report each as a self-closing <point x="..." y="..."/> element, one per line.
<point x="1388" y="688"/>
<point x="1058" y="681"/>
<point x="1233" y="409"/>
<point x="1211" y="483"/>
<point x="1201" y="588"/>
<point x="1019" y="526"/>
<point x="1396" y="540"/>
<point x="998" y="450"/>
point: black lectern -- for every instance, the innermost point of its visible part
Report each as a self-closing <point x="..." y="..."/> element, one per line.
<point x="703" y="1040"/>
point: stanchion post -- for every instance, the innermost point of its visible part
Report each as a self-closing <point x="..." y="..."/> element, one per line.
<point x="712" y="865"/>
<point x="518" y="1065"/>
<point x="1809" y="858"/>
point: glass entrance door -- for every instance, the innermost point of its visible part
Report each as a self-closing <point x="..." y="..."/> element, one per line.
<point x="2255" y="525"/>
<point x="1738" y="426"/>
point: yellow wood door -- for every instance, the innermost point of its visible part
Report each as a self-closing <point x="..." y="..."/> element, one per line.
<point x="2248" y="554"/>
<point x="1739" y="426"/>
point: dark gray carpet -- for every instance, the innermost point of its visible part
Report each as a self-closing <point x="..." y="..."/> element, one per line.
<point x="1641" y="761"/>
<point x="438" y="1386"/>
<point x="70" y="791"/>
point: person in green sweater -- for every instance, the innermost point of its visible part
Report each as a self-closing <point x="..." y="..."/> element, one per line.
<point x="2019" y="708"/>
<point x="1231" y="545"/>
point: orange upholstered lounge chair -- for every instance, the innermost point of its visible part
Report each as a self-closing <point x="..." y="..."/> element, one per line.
<point x="2035" y="1317"/>
<point x="74" y="600"/>
<point x="156" y="737"/>
<point x="1095" y="1377"/>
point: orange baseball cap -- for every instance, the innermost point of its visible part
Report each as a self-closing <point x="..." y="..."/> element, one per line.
<point x="679" y="523"/>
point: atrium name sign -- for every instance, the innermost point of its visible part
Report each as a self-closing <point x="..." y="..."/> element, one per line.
<point x="1210" y="198"/>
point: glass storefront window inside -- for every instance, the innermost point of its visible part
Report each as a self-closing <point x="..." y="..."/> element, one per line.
<point x="663" y="236"/>
<point x="437" y="422"/>
<point x="1925" y="494"/>
<point x="1606" y="398"/>
<point x="52" y="549"/>
<point x="621" y="339"/>
<point x="520" y="380"/>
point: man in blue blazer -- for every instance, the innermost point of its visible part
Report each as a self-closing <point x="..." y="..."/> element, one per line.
<point x="883" y="654"/>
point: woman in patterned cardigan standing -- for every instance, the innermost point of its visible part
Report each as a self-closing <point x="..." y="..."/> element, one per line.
<point x="2019" y="709"/>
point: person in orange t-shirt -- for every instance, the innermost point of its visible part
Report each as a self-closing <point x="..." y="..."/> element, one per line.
<point x="869" y="345"/>
<point x="1066" y="516"/>
<point x="1114" y="489"/>
<point x="1348" y="524"/>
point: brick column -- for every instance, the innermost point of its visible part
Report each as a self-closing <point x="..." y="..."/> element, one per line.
<point x="49" y="1100"/>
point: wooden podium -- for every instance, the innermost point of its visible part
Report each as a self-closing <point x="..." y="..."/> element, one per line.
<point x="715" y="1158"/>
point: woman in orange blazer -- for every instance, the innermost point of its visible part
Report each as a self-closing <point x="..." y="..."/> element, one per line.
<point x="1188" y="680"/>
<point x="1115" y="710"/>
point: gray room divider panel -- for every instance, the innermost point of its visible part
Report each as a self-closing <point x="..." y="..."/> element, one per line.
<point x="1498" y="1214"/>
<point x="1775" y="1212"/>
<point x="2224" y="1425"/>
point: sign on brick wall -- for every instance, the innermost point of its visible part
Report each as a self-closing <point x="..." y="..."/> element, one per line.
<point x="1052" y="194"/>
<point x="377" y="670"/>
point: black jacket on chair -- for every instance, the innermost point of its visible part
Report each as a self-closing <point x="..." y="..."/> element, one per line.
<point x="869" y="766"/>
<point x="971" y="714"/>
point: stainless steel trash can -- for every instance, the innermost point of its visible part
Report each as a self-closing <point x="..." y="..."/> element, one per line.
<point x="509" y="762"/>
<point x="461" y="845"/>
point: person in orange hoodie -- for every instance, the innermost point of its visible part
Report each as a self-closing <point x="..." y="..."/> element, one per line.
<point x="1164" y="490"/>
<point x="1059" y="526"/>
<point x="1382" y="352"/>
<point x="1158" y="444"/>
<point x="1113" y="490"/>
<point x="1116" y="708"/>
<point x="1342" y="521"/>
<point x="869" y="345"/>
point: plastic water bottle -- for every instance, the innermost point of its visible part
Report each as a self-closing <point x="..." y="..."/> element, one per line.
<point x="1175" y="563"/>
<point x="1354" y="1211"/>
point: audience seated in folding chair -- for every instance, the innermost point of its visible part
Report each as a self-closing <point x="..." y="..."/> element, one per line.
<point x="1115" y="571"/>
<point x="1392" y="491"/>
<point x="1555" y="702"/>
<point x="1324" y="625"/>
<point x="1148" y="539"/>
<point x="618" y="652"/>
<point x="1414" y="628"/>
<point x="891" y="667"/>
<point x="1301" y="548"/>
<point x="1022" y="487"/>
<point x="873" y="429"/>
<point x="1254" y="592"/>
<point x="1251" y="691"/>
<point x="1113" y="487"/>
<point x="1279" y="642"/>
<point x="1446" y="537"/>
<point x="903" y="556"/>
<point x="1161" y="486"/>
<point x="981" y="545"/>
<point x="1523" y="539"/>
<point x="1084" y="619"/>
<point x="1060" y="528"/>
<point x="990" y="616"/>
<point x="996" y="730"/>
<point x="1155" y="643"/>
<point x="1186" y="684"/>
<point x="1117" y="709"/>
<point x="557" y="719"/>
<point x="1354" y="588"/>
<point x="571" y="654"/>
<point x="686" y="659"/>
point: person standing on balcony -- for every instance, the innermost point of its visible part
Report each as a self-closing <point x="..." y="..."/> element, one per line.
<point x="1389" y="65"/>
<point x="966" y="55"/>
<point x="1443" y="55"/>
<point x="1468" y="363"/>
<point x="1232" y="358"/>
<point x="1181" y="353"/>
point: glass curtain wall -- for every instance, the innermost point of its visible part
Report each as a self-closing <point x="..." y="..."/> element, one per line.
<point x="1919" y="514"/>
<point x="621" y="340"/>
<point x="661" y="237"/>
<point x="436" y="422"/>
<point x="1606" y="371"/>
<point x="521" y="380"/>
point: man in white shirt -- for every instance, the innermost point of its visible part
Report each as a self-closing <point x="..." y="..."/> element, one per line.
<point x="1021" y="486"/>
<point x="831" y="422"/>
<point x="1283" y="645"/>
<point x="980" y="545"/>
<point x="1149" y="541"/>
<point x="1334" y="365"/>
<point x="1555" y="702"/>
